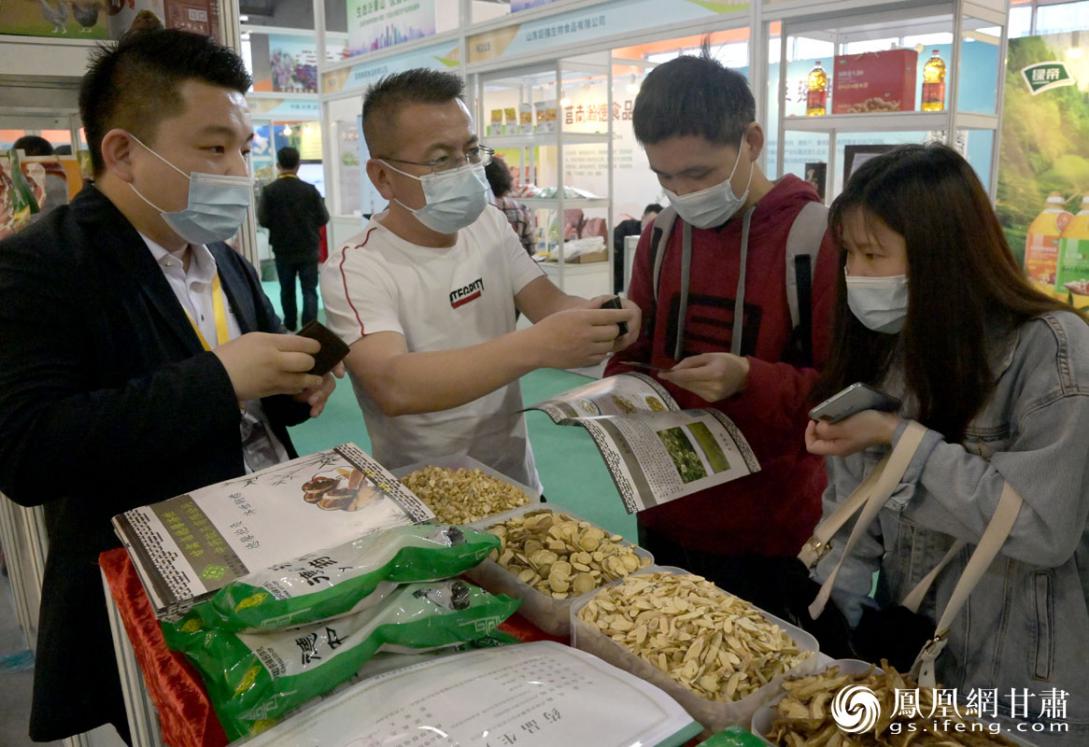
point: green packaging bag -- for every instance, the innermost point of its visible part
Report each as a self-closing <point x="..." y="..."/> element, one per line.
<point x="345" y="579"/>
<point x="255" y="678"/>
<point x="734" y="736"/>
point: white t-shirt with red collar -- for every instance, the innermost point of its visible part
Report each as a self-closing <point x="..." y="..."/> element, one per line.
<point x="438" y="299"/>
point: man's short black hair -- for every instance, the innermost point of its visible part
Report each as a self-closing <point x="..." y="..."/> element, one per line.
<point x="288" y="158"/>
<point x="653" y="207"/>
<point x="498" y="176"/>
<point x="33" y="145"/>
<point x="134" y="85"/>
<point x="693" y="96"/>
<point x="386" y="97"/>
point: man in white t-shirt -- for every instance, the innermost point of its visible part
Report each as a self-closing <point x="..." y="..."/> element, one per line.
<point x="427" y="297"/>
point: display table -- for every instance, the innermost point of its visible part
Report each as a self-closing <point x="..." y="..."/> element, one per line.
<point x="164" y="696"/>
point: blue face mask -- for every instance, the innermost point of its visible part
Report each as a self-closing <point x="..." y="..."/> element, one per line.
<point x="454" y="198"/>
<point x="217" y="204"/>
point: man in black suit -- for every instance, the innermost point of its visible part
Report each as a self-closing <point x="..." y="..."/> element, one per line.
<point x="293" y="212"/>
<point x="139" y="357"/>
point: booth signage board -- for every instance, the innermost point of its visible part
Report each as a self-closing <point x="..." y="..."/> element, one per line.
<point x="289" y="63"/>
<point x="293" y="65"/>
<point x="379" y="24"/>
<point x="293" y="109"/>
<point x="590" y="24"/>
<point x="445" y="56"/>
<point x="1045" y="132"/>
<point x="1047" y="76"/>
<point x="517" y="5"/>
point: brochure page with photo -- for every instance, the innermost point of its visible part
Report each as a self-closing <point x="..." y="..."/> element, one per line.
<point x="654" y="451"/>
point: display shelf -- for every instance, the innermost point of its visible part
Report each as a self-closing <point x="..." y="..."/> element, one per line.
<point x="546" y="139"/>
<point x="972" y="39"/>
<point x="888" y="122"/>
<point x="541" y="203"/>
<point x="542" y="157"/>
<point x="586" y="280"/>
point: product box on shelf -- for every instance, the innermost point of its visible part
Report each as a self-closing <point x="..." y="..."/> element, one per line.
<point x="548" y="116"/>
<point x="874" y="82"/>
<point x="713" y="714"/>
<point x="525" y="119"/>
<point x="551" y="615"/>
<point x="495" y="123"/>
<point x="511" y="126"/>
<point x="589" y="258"/>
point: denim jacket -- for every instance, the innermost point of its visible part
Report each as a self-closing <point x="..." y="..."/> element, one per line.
<point x="1026" y="625"/>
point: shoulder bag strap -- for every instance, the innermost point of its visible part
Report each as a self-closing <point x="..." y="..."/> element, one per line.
<point x="994" y="536"/>
<point x="883" y="488"/>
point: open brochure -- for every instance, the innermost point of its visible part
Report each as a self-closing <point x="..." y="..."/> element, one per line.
<point x="187" y="547"/>
<point x="655" y="451"/>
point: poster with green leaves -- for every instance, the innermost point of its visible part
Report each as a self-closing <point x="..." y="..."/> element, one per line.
<point x="1044" y="165"/>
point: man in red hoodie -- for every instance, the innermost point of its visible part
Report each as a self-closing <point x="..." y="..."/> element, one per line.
<point x="696" y="120"/>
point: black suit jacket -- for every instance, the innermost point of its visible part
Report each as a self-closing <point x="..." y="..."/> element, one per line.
<point x="107" y="402"/>
<point x="292" y="210"/>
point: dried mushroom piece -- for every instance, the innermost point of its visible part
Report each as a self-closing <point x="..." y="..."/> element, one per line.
<point x="462" y="496"/>
<point x="559" y="555"/>
<point x="716" y="645"/>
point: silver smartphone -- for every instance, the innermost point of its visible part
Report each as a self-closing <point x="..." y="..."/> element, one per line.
<point x="851" y="401"/>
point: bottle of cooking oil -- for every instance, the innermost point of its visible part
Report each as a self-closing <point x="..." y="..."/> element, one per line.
<point x="1074" y="258"/>
<point x="816" y="100"/>
<point x="1042" y="244"/>
<point x="934" y="83"/>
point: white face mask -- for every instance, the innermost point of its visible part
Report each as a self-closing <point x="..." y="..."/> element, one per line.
<point x="454" y="198"/>
<point x="712" y="206"/>
<point x="217" y="204"/>
<point x="880" y="303"/>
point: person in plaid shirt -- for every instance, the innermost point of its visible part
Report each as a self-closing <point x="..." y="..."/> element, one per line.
<point x="518" y="215"/>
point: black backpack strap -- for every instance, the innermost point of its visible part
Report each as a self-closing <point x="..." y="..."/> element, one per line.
<point x="803" y="271"/>
<point x="803" y="244"/>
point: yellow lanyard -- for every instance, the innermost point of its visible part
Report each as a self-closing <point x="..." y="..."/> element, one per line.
<point x="219" y="313"/>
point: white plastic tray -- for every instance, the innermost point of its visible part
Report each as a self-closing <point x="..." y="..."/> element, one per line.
<point x="553" y="616"/>
<point x="714" y="715"/>
<point x="464" y="461"/>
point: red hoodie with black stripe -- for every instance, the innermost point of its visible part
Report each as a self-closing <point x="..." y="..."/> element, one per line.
<point x="771" y="512"/>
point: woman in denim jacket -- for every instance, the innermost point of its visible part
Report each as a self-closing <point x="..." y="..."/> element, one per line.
<point x="933" y="309"/>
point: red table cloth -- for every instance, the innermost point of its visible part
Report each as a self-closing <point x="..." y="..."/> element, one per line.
<point x="186" y="717"/>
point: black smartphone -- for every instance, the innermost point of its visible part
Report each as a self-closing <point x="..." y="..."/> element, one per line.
<point x="853" y="400"/>
<point x="333" y="350"/>
<point x="614" y="303"/>
<point x="645" y="366"/>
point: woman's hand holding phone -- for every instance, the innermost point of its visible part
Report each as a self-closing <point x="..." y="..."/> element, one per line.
<point x="857" y="433"/>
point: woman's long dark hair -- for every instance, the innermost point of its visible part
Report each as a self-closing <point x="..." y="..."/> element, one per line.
<point x="961" y="274"/>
